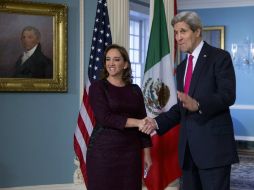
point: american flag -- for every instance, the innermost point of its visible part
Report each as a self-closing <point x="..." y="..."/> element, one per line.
<point x="101" y="39"/>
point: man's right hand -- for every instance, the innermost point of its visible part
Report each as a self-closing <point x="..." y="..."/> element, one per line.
<point x="149" y="127"/>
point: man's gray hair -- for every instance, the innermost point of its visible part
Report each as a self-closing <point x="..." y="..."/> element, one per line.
<point x="35" y="30"/>
<point x="190" y="18"/>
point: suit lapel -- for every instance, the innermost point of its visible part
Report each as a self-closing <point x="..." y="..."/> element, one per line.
<point x="201" y="61"/>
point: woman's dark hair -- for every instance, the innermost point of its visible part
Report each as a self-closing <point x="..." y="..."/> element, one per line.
<point x="127" y="73"/>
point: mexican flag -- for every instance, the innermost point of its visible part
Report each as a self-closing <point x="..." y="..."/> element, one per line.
<point x="160" y="94"/>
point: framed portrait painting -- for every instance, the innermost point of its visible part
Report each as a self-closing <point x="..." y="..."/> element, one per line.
<point x="33" y="43"/>
<point x="214" y="35"/>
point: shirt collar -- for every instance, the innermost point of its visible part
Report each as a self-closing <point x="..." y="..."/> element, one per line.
<point x="197" y="50"/>
<point x="31" y="51"/>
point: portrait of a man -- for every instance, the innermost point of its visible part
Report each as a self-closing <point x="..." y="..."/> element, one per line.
<point x="33" y="47"/>
<point x="26" y="44"/>
<point x="32" y="63"/>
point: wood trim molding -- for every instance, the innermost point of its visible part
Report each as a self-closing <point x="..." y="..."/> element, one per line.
<point x="201" y="4"/>
<point x="49" y="187"/>
<point x="63" y="187"/>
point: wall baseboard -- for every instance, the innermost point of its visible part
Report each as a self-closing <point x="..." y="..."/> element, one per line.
<point x="49" y="187"/>
<point x="66" y="187"/>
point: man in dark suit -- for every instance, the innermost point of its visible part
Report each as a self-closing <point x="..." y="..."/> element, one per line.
<point x="32" y="63"/>
<point x="206" y="90"/>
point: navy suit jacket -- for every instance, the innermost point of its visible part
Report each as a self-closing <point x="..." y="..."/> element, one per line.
<point x="36" y="66"/>
<point x="209" y="134"/>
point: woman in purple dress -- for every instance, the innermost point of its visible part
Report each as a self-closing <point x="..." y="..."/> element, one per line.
<point x="114" y="156"/>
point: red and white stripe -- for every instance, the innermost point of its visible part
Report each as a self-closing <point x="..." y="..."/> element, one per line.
<point x="83" y="132"/>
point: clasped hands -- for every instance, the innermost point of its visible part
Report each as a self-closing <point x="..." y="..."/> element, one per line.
<point x="148" y="125"/>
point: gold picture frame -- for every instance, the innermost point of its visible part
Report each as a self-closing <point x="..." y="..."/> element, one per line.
<point x="51" y="21"/>
<point x="214" y="35"/>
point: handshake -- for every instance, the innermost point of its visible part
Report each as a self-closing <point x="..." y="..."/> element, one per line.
<point x="147" y="125"/>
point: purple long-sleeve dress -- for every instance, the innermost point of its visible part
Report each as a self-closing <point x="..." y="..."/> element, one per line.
<point x="114" y="152"/>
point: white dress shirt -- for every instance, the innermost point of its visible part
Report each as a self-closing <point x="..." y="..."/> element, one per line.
<point x="28" y="54"/>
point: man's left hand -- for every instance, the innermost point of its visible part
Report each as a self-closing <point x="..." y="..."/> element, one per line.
<point x="188" y="102"/>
